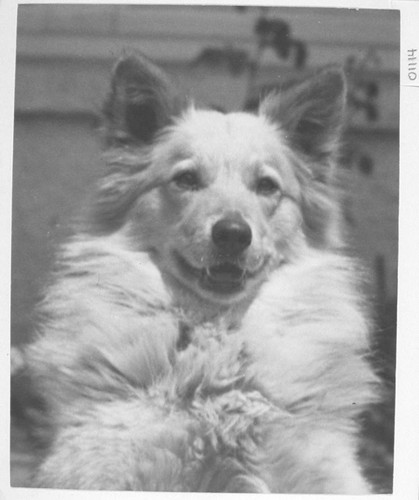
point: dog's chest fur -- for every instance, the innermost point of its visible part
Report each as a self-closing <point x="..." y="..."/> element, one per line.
<point x="237" y="383"/>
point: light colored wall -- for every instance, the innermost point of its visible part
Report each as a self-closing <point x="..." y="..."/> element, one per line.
<point x="64" y="58"/>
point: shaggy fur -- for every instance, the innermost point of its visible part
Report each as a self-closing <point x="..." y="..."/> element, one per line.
<point x="170" y="361"/>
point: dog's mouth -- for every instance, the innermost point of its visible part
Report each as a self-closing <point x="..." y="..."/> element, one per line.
<point x="222" y="278"/>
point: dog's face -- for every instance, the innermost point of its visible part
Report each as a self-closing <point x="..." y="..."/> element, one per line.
<point x="218" y="199"/>
<point x="227" y="210"/>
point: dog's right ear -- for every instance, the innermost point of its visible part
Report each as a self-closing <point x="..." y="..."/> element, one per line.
<point x="141" y="101"/>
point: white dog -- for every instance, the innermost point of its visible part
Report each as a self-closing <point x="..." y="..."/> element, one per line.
<point x="205" y="331"/>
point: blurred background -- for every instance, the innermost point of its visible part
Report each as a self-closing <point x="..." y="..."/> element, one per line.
<point x="223" y="57"/>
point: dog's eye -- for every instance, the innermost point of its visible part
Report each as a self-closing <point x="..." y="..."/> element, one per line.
<point x="188" y="179"/>
<point x="266" y="186"/>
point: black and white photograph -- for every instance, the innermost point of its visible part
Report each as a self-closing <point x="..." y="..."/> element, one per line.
<point x="204" y="283"/>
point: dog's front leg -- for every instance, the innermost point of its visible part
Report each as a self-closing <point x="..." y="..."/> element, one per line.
<point x="113" y="421"/>
<point x="228" y="475"/>
<point x="123" y="445"/>
<point x="304" y="459"/>
<point x="246" y="484"/>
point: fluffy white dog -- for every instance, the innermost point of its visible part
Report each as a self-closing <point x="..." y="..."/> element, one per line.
<point x="205" y="331"/>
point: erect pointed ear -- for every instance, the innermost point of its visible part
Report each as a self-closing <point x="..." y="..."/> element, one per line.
<point x="141" y="101"/>
<point x="311" y="112"/>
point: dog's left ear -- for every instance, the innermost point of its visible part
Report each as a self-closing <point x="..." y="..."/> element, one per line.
<point x="311" y="112"/>
<point x="141" y="101"/>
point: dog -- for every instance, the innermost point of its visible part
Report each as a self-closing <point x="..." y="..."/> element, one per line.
<point x="205" y="330"/>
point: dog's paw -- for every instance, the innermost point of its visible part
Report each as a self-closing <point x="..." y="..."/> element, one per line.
<point x="246" y="484"/>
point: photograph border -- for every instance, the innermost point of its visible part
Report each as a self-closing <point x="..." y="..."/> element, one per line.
<point x="406" y="471"/>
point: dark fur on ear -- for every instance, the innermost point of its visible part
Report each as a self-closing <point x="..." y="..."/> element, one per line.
<point x="311" y="112"/>
<point x="141" y="101"/>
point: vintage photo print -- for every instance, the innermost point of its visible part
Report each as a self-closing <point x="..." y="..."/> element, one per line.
<point x="210" y="248"/>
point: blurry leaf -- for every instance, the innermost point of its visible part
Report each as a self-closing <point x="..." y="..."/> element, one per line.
<point x="372" y="89"/>
<point x="301" y="54"/>
<point x="276" y="34"/>
<point x="366" y="165"/>
<point x="363" y="91"/>
<point x="235" y="61"/>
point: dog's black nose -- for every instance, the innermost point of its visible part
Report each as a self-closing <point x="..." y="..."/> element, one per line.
<point x="232" y="234"/>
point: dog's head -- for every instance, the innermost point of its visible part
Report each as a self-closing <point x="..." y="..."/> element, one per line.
<point x="219" y="199"/>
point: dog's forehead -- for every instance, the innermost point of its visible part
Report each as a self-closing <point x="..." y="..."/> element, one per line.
<point x="238" y="135"/>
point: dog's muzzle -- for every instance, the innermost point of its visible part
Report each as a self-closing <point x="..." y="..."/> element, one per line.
<point x="230" y="237"/>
